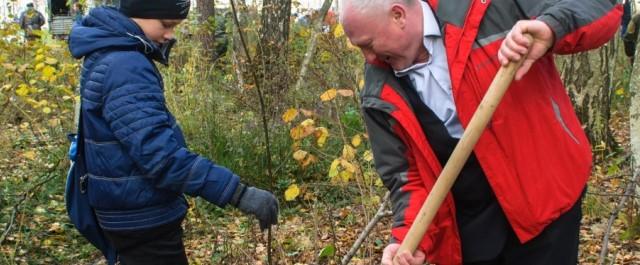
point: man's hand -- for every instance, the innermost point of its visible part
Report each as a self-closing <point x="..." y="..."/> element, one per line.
<point x="404" y="258"/>
<point x="516" y="45"/>
<point x="259" y="203"/>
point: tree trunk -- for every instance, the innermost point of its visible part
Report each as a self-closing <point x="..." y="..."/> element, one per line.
<point x="206" y="10"/>
<point x="587" y="77"/>
<point x="634" y="120"/>
<point x="273" y="52"/>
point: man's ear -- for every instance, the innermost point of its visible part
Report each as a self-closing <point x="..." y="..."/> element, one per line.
<point x="399" y="15"/>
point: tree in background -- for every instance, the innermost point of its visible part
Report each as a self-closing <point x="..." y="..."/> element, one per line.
<point x="274" y="36"/>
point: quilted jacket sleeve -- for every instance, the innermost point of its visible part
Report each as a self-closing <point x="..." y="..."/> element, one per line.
<point x="136" y="112"/>
<point x="397" y="169"/>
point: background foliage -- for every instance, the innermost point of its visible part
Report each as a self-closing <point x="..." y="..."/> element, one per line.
<point x="322" y="164"/>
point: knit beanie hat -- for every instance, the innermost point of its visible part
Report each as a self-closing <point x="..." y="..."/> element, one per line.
<point x="155" y="9"/>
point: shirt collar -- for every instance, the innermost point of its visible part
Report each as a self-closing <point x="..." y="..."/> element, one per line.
<point x="431" y="27"/>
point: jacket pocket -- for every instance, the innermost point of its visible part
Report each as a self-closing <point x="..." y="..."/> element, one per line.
<point x="126" y="193"/>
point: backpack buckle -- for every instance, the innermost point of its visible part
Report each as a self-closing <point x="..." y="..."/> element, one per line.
<point x="83" y="184"/>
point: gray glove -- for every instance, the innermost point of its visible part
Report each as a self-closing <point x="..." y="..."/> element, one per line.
<point x="260" y="203"/>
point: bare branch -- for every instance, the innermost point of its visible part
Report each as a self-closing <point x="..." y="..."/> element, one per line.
<point x="382" y="212"/>
<point x="605" y="242"/>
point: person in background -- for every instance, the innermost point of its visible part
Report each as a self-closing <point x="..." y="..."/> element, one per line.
<point x="31" y="20"/>
<point x="429" y="63"/>
<point x="139" y="166"/>
<point x="630" y="32"/>
<point x="77" y="12"/>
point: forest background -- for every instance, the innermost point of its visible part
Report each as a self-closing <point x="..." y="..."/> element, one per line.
<point x="275" y="99"/>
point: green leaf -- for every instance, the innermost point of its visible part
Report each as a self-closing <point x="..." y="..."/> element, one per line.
<point x="328" y="251"/>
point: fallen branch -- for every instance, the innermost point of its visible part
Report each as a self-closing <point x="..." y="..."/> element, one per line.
<point x="623" y="200"/>
<point x="382" y="212"/>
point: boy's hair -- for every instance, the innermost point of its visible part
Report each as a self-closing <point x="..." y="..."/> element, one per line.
<point x="156" y="9"/>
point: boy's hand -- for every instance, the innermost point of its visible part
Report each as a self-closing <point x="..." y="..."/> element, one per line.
<point x="259" y="203"/>
<point x="403" y="259"/>
<point x="516" y="45"/>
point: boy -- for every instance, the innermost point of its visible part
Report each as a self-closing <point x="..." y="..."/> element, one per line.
<point x="136" y="157"/>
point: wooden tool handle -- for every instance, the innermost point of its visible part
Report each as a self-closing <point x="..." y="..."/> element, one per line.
<point x="460" y="155"/>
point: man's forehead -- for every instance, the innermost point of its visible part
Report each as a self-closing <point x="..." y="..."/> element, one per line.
<point x="358" y="24"/>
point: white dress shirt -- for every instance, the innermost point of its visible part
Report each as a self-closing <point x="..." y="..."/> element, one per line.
<point x="431" y="79"/>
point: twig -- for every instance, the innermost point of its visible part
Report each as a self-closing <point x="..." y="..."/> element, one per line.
<point x="49" y="176"/>
<point x="265" y="125"/>
<point x="602" y="194"/>
<point x="605" y="242"/>
<point x="382" y="212"/>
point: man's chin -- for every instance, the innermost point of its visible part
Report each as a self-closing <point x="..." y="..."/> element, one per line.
<point x="399" y="67"/>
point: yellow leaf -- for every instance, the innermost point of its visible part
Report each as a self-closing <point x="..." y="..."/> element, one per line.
<point x="329" y="95"/>
<point x="307" y="123"/>
<point x="31" y="155"/>
<point x="347" y="166"/>
<point x="39" y="66"/>
<point x="379" y="182"/>
<point x="300" y="155"/>
<point x="292" y="192"/>
<point x="348" y="152"/>
<point x="23" y="90"/>
<point x="368" y="156"/>
<point x="9" y="66"/>
<point x="304" y="33"/>
<point x="333" y="170"/>
<point x="289" y="115"/>
<point x="356" y="140"/>
<point x="322" y="134"/>
<point x="51" y="61"/>
<point x="39" y="57"/>
<point x="361" y="84"/>
<point x="47" y="73"/>
<point x="338" y="31"/>
<point x="345" y="92"/>
<point x="345" y="176"/>
<point x="54" y="122"/>
<point x="375" y="200"/>
<point x="310" y="160"/>
<point x="620" y="91"/>
<point x="296" y="133"/>
<point x="307" y="113"/>
<point x="303" y="130"/>
<point x="55" y="228"/>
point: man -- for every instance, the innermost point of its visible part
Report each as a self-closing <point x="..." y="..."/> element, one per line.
<point x="517" y="200"/>
<point x="30" y="20"/>
<point x="139" y="166"/>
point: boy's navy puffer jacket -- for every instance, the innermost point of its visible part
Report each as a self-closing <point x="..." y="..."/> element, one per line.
<point x="139" y="165"/>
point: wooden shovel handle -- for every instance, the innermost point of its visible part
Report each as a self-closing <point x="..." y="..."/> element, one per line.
<point x="460" y="154"/>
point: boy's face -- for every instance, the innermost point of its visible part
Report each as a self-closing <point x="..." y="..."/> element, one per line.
<point x="158" y="30"/>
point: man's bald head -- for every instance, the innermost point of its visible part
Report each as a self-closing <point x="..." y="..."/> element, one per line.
<point x="367" y="6"/>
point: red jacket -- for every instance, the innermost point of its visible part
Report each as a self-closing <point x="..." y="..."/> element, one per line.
<point x="534" y="152"/>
